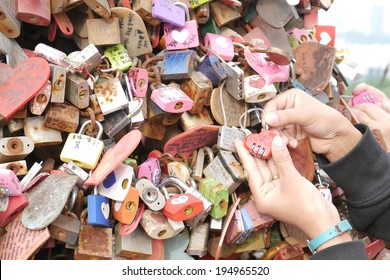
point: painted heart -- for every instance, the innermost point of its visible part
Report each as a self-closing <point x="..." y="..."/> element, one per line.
<point x="259" y="144"/>
<point x="179" y="200"/>
<point x="180" y="36"/>
<point x="19" y="85"/>
<point x="105" y="210"/>
<point x="222" y="42"/>
<point x="257" y="82"/>
<point x="117" y="206"/>
<point x="325" y="38"/>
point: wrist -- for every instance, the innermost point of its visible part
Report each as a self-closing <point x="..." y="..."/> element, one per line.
<point x="344" y="143"/>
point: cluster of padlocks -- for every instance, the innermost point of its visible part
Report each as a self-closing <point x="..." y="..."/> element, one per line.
<point x="118" y="121"/>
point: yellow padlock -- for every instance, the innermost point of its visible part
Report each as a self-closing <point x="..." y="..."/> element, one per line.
<point x="83" y="150"/>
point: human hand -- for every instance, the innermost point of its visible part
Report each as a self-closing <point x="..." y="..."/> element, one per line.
<point x="375" y="118"/>
<point x="384" y="101"/>
<point x="282" y="193"/>
<point x="330" y="133"/>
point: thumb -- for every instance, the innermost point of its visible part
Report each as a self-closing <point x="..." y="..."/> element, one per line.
<point x="282" y="159"/>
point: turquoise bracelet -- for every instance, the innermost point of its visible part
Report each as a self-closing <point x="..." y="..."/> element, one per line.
<point x="331" y="233"/>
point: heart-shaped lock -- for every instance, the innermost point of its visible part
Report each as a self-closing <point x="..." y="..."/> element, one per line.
<point x="259" y="144"/>
<point x="19" y="85"/>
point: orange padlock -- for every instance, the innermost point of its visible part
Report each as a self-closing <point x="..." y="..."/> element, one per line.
<point x="125" y="211"/>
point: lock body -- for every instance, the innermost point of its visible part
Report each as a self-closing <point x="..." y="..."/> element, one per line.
<point x="213" y="69"/>
<point x="256" y="90"/>
<point x="118" y="57"/>
<point x="150" y="194"/>
<point x="9" y="183"/>
<point x="166" y="11"/>
<point x="94" y="243"/>
<point x="58" y="81"/>
<point x="235" y="228"/>
<point x="65" y="229"/>
<point x="89" y="57"/>
<point x="63" y="117"/>
<point x="115" y="122"/>
<point x="126" y="211"/>
<point x="182" y="207"/>
<point x="199" y="89"/>
<point x="150" y="169"/>
<point x="139" y="78"/>
<point x="227" y="137"/>
<point x="234" y="80"/>
<point x="248" y="226"/>
<point x="171" y="100"/>
<point x="218" y="195"/>
<point x="110" y="95"/>
<point x="15" y="148"/>
<point x="259" y="220"/>
<point x="177" y="65"/>
<point x="156" y="225"/>
<point x="220" y="44"/>
<point x="145" y="10"/>
<point x="77" y="91"/>
<point x="199" y="240"/>
<point x="135" y="246"/>
<point x="98" y="210"/>
<point x="16" y="204"/>
<point x="40" y="101"/>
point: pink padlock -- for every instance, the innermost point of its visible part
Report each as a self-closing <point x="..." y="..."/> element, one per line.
<point x="9" y="183"/>
<point x="222" y="45"/>
<point x="16" y="205"/>
<point x="364" y="97"/>
<point x="138" y="78"/>
<point x="171" y="100"/>
<point x="301" y="35"/>
<point x="178" y="38"/>
<point x="270" y="71"/>
<point x="150" y="169"/>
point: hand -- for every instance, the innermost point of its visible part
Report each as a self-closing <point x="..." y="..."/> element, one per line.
<point x="384" y="101"/>
<point x="375" y="118"/>
<point x="282" y="193"/>
<point x="330" y="133"/>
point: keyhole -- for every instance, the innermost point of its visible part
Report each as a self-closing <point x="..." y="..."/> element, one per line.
<point x="303" y="38"/>
<point x="162" y="233"/>
<point x="189" y="210"/>
<point x="125" y="183"/>
<point x="141" y="83"/>
<point x="59" y="84"/>
<point x="14" y="167"/>
<point x="130" y="206"/>
<point x="15" y="145"/>
<point x="222" y="204"/>
<point x="83" y="94"/>
<point x="178" y="105"/>
<point x="41" y="98"/>
<point x="261" y="96"/>
<point x="61" y="234"/>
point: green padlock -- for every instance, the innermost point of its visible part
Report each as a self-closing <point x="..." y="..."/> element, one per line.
<point x="118" y="57"/>
<point x="217" y="193"/>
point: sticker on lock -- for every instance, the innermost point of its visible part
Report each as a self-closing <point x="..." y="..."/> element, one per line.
<point x="182" y="207"/>
<point x="83" y="150"/>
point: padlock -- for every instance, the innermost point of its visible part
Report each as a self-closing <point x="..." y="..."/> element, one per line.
<point x="199" y="236"/>
<point x="227" y="136"/>
<point x="150" y="194"/>
<point x="89" y="57"/>
<point x="190" y="121"/>
<point x="58" y="81"/>
<point x="16" y="204"/>
<point x="9" y="183"/>
<point x="126" y="210"/>
<point x="135" y="246"/>
<point x="10" y="24"/>
<point x="199" y="89"/>
<point x="226" y="169"/>
<point x="98" y="209"/>
<point x="258" y="144"/>
<point x="18" y="167"/>
<point x="115" y="122"/>
<point x="248" y="226"/>
<point x="145" y="9"/>
<point x="180" y="207"/>
<point x="220" y="45"/>
<point x="216" y="225"/>
<point x="94" y="243"/>
<point x="257" y="90"/>
<point x="177" y="65"/>
<point x="117" y="183"/>
<point x="217" y="193"/>
<point x="77" y="91"/>
<point x="259" y="220"/>
<point x="364" y="97"/>
<point x="213" y="69"/>
<point x="110" y="95"/>
<point x="171" y="100"/>
<point x="156" y="225"/>
<point x="35" y="129"/>
<point x="37" y="14"/>
<point x="235" y="228"/>
<point x="62" y="116"/>
<point x="138" y="78"/>
<point x="206" y="203"/>
<point x="185" y="37"/>
<point x="83" y="150"/>
<point x="150" y="169"/>
<point x="40" y="101"/>
<point x="65" y="228"/>
<point x="118" y="57"/>
<point x="135" y="109"/>
<point x="223" y="13"/>
<point x="101" y="7"/>
<point x="301" y="35"/>
<point x="94" y="104"/>
<point x="166" y="11"/>
<point x="73" y="169"/>
<point x="197" y="172"/>
<point x="15" y="125"/>
<point x="179" y="170"/>
<point x="234" y="80"/>
<point x="203" y="13"/>
<point x="15" y="148"/>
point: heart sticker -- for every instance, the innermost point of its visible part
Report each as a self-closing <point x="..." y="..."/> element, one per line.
<point x="180" y="36"/>
<point x="117" y="206"/>
<point x="259" y="144"/>
<point x="105" y="210"/>
<point x="19" y="85"/>
<point x="179" y="200"/>
<point x="257" y="83"/>
<point x="222" y="42"/>
<point x="325" y="38"/>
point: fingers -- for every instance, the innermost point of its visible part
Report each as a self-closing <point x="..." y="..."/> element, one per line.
<point x="373" y="111"/>
<point x="282" y="159"/>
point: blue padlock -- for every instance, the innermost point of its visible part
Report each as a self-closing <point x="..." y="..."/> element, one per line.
<point x="98" y="210"/>
<point x="213" y="69"/>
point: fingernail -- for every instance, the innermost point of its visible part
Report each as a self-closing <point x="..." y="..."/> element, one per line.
<point x="278" y="141"/>
<point x="271" y="118"/>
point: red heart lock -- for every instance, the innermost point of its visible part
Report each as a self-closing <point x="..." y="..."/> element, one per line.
<point x="259" y="144"/>
<point x="19" y="85"/>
